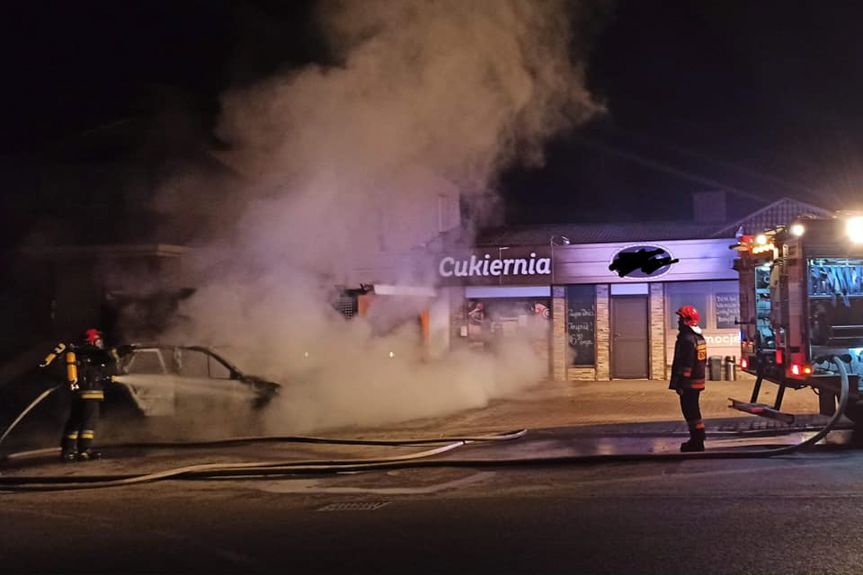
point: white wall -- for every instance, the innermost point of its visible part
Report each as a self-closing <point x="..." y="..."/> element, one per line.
<point x="699" y="260"/>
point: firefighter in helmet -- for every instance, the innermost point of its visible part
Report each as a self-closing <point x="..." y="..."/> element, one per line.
<point x="89" y="367"/>
<point x="687" y="374"/>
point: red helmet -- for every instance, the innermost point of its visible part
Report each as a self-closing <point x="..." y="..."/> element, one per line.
<point x="91" y="335"/>
<point x="689" y="315"/>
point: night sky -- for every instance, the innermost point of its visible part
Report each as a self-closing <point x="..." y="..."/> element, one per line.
<point x="759" y="98"/>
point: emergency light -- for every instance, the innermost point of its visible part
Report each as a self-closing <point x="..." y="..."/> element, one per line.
<point x="854" y="229"/>
<point x="797" y="369"/>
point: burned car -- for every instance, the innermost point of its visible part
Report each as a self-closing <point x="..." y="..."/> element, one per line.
<point x="168" y="380"/>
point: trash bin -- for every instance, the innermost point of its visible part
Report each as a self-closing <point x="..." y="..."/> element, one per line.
<point x="730" y="368"/>
<point x="714" y="367"/>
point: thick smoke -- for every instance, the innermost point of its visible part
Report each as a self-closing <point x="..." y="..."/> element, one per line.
<point x="350" y="169"/>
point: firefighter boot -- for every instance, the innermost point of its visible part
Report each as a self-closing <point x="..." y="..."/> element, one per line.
<point x="69" y="455"/>
<point x="89" y="455"/>
<point x="691" y="445"/>
<point x="696" y="441"/>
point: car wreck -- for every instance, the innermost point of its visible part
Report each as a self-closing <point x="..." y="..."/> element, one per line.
<point x="168" y="380"/>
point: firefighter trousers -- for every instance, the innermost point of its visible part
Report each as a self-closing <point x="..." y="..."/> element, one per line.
<point x="80" y="429"/>
<point x="691" y="408"/>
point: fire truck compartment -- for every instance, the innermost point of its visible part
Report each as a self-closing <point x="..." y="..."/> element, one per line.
<point x="835" y="296"/>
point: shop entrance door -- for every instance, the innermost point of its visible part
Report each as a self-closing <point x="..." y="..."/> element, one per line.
<point x="629" y="344"/>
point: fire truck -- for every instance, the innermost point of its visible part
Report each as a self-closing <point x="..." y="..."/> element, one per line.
<point x="801" y="312"/>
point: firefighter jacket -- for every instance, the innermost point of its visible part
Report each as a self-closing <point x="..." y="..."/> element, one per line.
<point x="690" y="359"/>
<point x="88" y="369"/>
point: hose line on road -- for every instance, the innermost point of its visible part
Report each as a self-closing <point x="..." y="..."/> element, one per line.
<point x="418" y="460"/>
<point x="503" y="436"/>
<point x="54" y="483"/>
<point x="57" y="483"/>
<point x="27" y="410"/>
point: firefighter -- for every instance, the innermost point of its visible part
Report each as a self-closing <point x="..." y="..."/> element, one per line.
<point x="89" y="367"/>
<point x="687" y="374"/>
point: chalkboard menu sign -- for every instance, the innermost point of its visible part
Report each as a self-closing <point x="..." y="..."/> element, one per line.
<point x="581" y="323"/>
<point x="727" y="310"/>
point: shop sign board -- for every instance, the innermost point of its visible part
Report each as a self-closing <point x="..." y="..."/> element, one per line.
<point x="642" y="261"/>
<point x="496" y="266"/>
<point x="678" y="260"/>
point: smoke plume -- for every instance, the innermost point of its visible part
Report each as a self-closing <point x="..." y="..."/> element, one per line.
<point x="348" y="169"/>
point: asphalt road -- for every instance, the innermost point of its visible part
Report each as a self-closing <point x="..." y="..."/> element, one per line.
<point x="793" y="514"/>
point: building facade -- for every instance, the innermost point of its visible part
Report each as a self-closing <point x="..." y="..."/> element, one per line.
<point x="596" y="311"/>
<point x="599" y="301"/>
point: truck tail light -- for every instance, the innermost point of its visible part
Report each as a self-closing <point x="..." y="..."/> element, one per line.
<point x="744" y="363"/>
<point x="778" y="357"/>
<point x="800" y="370"/>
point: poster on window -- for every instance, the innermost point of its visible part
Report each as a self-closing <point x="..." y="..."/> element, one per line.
<point x="727" y="310"/>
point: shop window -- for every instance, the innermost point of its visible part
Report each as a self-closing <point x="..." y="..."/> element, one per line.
<point x="490" y="319"/>
<point x="726" y="307"/>
<point x="676" y="300"/>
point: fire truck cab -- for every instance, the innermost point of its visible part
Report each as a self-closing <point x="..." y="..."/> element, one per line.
<point x="801" y="307"/>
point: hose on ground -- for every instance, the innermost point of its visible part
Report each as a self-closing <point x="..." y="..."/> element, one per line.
<point x="420" y="460"/>
<point x="202" y="470"/>
<point x="92" y="482"/>
<point x="504" y="436"/>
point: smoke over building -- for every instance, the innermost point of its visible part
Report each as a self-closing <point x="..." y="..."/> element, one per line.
<point x="350" y="169"/>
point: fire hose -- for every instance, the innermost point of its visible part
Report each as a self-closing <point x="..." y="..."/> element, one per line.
<point x="416" y="460"/>
<point x="27" y="410"/>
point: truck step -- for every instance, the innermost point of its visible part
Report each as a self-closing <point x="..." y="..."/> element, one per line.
<point x="762" y="410"/>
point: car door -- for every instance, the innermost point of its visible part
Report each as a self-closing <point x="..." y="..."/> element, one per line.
<point x="152" y="386"/>
<point x="205" y="384"/>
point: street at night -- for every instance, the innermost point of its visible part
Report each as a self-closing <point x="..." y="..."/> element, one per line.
<point x="572" y="498"/>
<point x="431" y="286"/>
<point x="795" y="514"/>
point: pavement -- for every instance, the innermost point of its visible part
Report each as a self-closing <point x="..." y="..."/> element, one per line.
<point x="562" y="419"/>
<point x="623" y="406"/>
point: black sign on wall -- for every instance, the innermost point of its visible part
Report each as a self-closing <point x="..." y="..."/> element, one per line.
<point x="642" y="261"/>
<point x="581" y="323"/>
